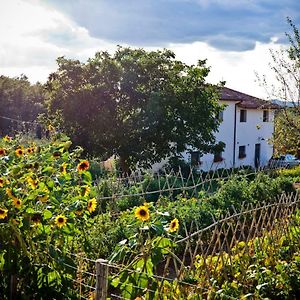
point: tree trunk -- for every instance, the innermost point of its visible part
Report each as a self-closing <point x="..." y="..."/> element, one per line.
<point x="124" y="165"/>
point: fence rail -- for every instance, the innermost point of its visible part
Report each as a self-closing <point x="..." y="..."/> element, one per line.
<point x="152" y="186"/>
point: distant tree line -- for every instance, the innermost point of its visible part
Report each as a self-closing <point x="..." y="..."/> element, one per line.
<point x="20" y="103"/>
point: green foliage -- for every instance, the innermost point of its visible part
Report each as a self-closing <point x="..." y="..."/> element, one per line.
<point x="202" y="208"/>
<point x="45" y="201"/>
<point x="286" y="137"/>
<point x="142" y="106"/>
<point x="265" y="267"/>
<point x="144" y="250"/>
<point x="233" y="192"/>
<point x="291" y="172"/>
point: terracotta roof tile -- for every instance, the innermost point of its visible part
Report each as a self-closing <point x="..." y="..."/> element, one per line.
<point x="246" y="101"/>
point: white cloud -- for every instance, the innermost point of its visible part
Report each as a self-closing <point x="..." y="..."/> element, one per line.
<point x="33" y="35"/>
<point x="236" y="68"/>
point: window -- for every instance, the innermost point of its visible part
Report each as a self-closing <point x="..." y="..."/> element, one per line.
<point x="266" y="116"/>
<point x="243" y="115"/>
<point x="218" y="156"/>
<point x="242" y="152"/>
<point x="220" y="116"/>
<point x="195" y="158"/>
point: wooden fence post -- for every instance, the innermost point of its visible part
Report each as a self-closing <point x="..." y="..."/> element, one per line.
<point x="13" y="287"/>
<point x="101" y="279"/>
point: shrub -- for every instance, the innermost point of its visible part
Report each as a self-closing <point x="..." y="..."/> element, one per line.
<point x="45" y="200"/>
<point x="292" y="172"/>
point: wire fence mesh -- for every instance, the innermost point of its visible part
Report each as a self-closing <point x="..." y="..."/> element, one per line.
<point x="151" y="186"/>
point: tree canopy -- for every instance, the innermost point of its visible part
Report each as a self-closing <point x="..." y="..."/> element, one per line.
<point x="142" y="106"/>
<point x="286" y="138"/>
<point x="19" y="100"/>
<point x="286" y="67"/>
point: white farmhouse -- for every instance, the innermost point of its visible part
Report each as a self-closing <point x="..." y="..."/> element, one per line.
<point x="246" y="129"/>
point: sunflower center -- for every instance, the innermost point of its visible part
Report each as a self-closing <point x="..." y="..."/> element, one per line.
<point x="36" y="218"/>
<point x="60" y="220"/>
<point x="143" y="212"/>
<point x="1" y="211"/>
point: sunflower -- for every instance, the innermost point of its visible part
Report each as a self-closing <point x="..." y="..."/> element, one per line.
<point x="3" y="213"/>
<point x="142" y="213"/>
<point x="7" y="138"/>
<point x="63" y="168"/>
<point x="36" y="219"/>
<point x="83" y="165"/>
<point x="85" y="191"/>
<point x="92" y="204"/>
<point x="91" y="296"/>
<point x="17" y="202"/>
<point x="19" y="152"/>
<point x="43" y="198"/>
<point x="15" y="221"/>
<point x="56" y="154"/>
<point x="9" y="193"/>
<point x="30" y="150"/>
<point x="2" y="182"/>
<point x="174" y="225"/>
<point x="60" y="221"/>
<point x="33" y="183"/>
<point x="2" y="152"/>
<point x="78" y="212"/>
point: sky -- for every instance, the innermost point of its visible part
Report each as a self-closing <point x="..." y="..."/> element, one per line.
<point x="235" y="36"/>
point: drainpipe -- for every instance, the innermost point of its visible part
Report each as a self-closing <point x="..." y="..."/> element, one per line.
<point x="234" y="134"/>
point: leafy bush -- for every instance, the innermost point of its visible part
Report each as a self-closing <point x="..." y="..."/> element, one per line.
<point x="293" y="173"/>
<point x="266" y="267"/>
<point x="202" y="209"/>
<point x="45" y="201"/>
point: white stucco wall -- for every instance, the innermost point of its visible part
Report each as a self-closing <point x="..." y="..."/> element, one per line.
<point x="225" y="135"/>
<point x="253" y="131"/>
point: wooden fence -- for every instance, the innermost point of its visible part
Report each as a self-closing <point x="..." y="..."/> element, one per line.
<point x="212" y="247"/>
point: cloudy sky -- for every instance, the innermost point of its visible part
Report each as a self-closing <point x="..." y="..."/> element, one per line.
<point x="234" y="35"/>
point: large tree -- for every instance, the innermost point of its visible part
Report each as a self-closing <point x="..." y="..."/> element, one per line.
<point x="142" y="106"/>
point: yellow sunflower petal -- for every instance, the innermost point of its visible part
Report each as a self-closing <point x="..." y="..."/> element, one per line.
<point x="60" y="221"/>
<point x="142" y="213"/>
<point x="92" y="204"/>
<point x="83" y="166"/>
<point x="174" y="225"/>
<point x="3" y="213"/>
